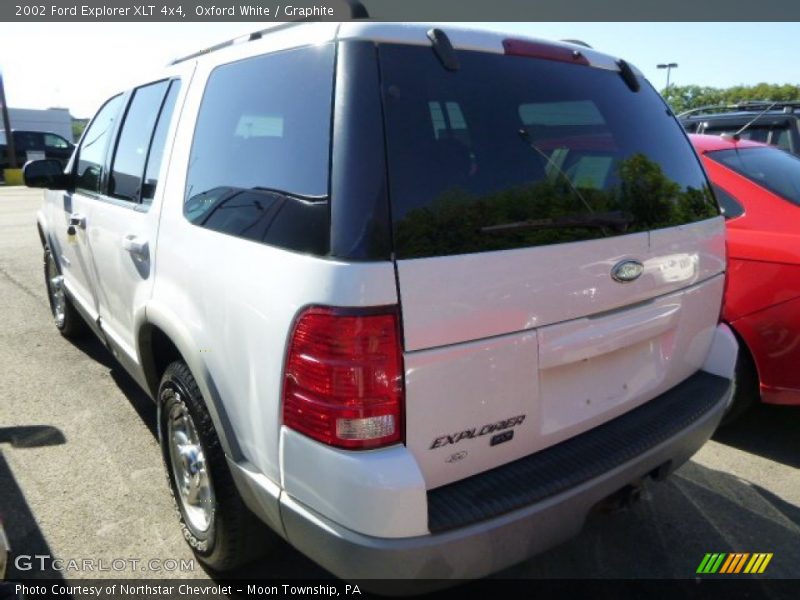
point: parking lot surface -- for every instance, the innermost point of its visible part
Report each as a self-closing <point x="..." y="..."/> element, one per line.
<point x="81" y="474"/>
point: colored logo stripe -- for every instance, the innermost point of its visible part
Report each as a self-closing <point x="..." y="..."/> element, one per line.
<point x="735" y="561"/>
<point x="711" y="562"/>
<point x="758" y="563"/>
<point x="723" y="563"/>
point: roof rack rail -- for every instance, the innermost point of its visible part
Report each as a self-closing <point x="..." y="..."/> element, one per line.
<point x="748" y="105"/>
<point x="357" y="11"/>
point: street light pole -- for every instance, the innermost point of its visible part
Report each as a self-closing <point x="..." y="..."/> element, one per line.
<point x="668" y="67"/>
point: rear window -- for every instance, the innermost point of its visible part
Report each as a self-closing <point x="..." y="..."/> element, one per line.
<point x="771" y="168"/>
<point x="511" y="152"/>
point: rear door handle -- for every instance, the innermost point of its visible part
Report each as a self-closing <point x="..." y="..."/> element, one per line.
<point x="135" y="245"/>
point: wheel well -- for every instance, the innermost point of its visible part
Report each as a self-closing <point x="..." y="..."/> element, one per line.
<point x="157" y="351"/>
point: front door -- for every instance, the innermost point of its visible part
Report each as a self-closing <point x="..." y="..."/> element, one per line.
<point x="71" y="213"/>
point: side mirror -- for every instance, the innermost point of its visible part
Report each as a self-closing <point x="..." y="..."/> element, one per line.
<point x="47" y="173"/>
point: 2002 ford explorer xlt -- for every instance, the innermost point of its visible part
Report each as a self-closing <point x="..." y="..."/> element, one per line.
<point x="416" y="298"/>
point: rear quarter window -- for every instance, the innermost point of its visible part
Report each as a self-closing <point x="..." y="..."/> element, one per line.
<point x="259" y="163"/>
<point x="546" y="153"/>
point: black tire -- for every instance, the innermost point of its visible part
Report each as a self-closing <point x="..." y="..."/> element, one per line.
<point x="234" y="535"/>
<point x="67" y="319"/>
<point x="747" y="392"/>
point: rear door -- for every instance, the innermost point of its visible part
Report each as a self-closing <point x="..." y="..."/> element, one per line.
<point x="558" y="252"/>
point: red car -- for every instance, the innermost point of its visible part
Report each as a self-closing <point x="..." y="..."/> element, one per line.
<point x="758" y="187"/>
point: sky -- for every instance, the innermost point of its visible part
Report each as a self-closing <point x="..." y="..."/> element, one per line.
<point x="79" y="65"/>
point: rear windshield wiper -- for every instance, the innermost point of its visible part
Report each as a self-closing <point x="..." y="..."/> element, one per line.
<point x="617" y="220"/>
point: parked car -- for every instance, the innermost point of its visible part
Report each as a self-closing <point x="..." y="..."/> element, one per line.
<point x="438" y="386"/>
<point x="758" y="187"/>
<point x="774" y="123"/>
<point x="38" y="143"/>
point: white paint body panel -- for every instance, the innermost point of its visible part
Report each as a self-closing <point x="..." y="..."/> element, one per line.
<point x="380" y="492"/>
<point x="451" y="299"/>
<point x="72" y="252"/>
<point x="547" y="333"/>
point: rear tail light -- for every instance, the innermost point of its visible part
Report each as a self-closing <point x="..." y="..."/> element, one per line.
<point x="343" y="380"/>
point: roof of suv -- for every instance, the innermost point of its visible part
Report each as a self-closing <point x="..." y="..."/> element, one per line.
<point x="288" y="35"/>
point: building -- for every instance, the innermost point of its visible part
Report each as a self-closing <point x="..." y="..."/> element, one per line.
<point x="54" y="120"/>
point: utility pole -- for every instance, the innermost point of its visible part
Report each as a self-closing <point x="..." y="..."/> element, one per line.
<point x="11" y="152"/>
<point x="668" y="67"/>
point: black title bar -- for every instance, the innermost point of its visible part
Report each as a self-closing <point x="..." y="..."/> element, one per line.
<point x="396" y="10"/>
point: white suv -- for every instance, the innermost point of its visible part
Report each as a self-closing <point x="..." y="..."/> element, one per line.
<point x="417" y="298"/>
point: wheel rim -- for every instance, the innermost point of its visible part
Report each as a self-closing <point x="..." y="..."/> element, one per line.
<point x="189" y="470"/>
<point x="55" y="288"/>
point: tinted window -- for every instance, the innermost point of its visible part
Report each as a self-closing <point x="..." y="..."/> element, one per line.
<point x="546" y="153"/>
<point x="731" y="207"/>
<point x="28" y="141"/>
<point x="94" y="146"/>
<point x="781" y="139"/>
<point x="261" y="148"/>
<point x="771" y="168"/>
<point x="55" y="141"/>
<point x="157" y="145"/>
<point x="134" y="140"/>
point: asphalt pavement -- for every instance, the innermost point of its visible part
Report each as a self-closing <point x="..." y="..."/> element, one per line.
<point x="81" y="475"/>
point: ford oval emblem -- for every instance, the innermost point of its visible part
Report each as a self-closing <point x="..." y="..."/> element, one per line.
<point x="627" y="271"/>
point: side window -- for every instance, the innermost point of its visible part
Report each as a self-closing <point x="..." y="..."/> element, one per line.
<point x="127" y="168"/>
<point x="92" y="152"/>
<point x="259" y="161"/>
<point x="781" y="139"/>
<point x="731" y="208"/>
<point x="28" y="141"/>
<point x="55" y="141"/>
<point x="158" y="143"/>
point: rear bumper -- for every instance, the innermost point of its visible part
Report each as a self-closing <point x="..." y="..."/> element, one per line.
<point x="495" y="543"/>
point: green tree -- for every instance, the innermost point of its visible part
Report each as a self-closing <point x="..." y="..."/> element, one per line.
<point x="686" y="97"/>
<point x="78" y="125"/>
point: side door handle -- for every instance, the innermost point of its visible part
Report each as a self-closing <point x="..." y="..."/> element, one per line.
<point x="135" y="245"/>
<point x="76" y="220"/>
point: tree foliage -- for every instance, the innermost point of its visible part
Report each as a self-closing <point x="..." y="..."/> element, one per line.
<point x="686" y="97"/>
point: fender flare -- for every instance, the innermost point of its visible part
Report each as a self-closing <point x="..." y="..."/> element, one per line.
<point x="160" y="317"/>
